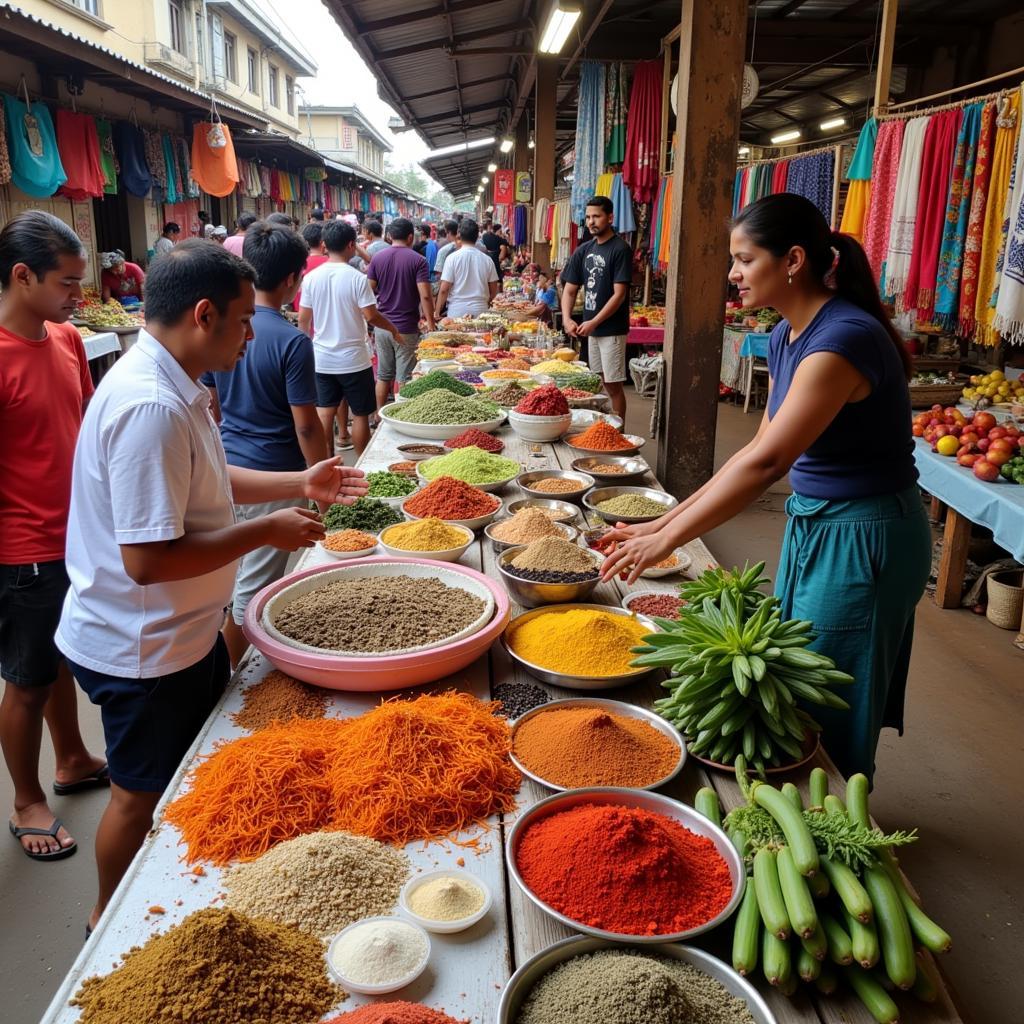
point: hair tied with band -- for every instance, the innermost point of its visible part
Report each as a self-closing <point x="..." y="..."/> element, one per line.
<point x="830" y="274"/>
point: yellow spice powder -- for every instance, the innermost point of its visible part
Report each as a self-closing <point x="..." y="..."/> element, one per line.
<point x="424" y="535"/>
<point x="446" y="899"/>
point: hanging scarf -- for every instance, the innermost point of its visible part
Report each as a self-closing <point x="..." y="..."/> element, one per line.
<point x="615" y="115"/>
<point x="996" y="215"/>
<point x="976" y="221"/>
<point x="589" y="137"/>
<point x="640" y="169"/>
<point x="858" y="196"/>
<point x="780" y="177"/>
<point x="79" y="148"/>
<point x="1009" y="315"/>
<point x="864" y="154"/>
<point x="155" y="158"/>
<point x="904" y="208"/>
<point x="940" y="140"/>
<point x="884" y="170"/>
<point x="958" y="209"/>
<point x="621" y="199"/>
<point x="108" y="159"/>
<point x="812" y="177"/>
<point x="737" y="191"/>
<point x="175" y="192"/>
<point x="665" y="234"/>
<point x="5" y="156"/>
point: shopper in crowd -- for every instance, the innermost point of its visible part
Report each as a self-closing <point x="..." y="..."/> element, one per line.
<point x="401" y="281"/>
<point x="374" y="231"/>
<point x="496" y="246"/>
<point x="603" y="267"/>
<point x="120" y="278"/>
<point x="153" y="545"/>
<point x="430" y="248"/>
<point x="857" y="549"/>
<point x="44" y="386"/>
<point x="469" y="281"/>
<point x="166" y="242"/>
<point x="237" y="240"/>
<point x="339" y="301"/>
<point x="283" y="219"/>
<point x="546" y="299"/>
<point x="220" y="234"/>
<point x="420" y="242"/>
<point x="316" y="215"/>
<point x="266" y="405"/>
<point x="451" y="232"/>
<point x="205" y="227"/>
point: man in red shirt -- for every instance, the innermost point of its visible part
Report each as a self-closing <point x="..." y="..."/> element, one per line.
<point x="44" y="386"/>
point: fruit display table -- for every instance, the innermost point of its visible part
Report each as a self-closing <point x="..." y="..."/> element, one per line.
<point x="998" y="506"/>
<point x="103" y="344"/>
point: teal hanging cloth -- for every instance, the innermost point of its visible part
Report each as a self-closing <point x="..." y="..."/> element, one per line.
<point x="615" y="115"/>
<point x="171" y="170"/>
<point x="108" y="159"/>
<point x="864" y="154"/>
<point x="35" y="162"/>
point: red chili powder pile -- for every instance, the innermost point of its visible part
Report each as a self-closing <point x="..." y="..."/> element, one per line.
<point x="474" y="437"/>
<point x="448" y="498"/>
<point x="625" y="870"/>
<point x="399" y="1012"/>
<point x="545" y="401"/>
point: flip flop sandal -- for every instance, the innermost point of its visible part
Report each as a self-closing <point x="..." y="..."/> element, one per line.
<point x="98" y="779"/>
<point x="59" y="854"/>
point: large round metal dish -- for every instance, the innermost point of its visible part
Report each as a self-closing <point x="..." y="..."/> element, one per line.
<point x="438" y="431"/>
<point x="644" y="800"/>
<point x="567" y="531"/>
<point x="470" y="524"/>
<point x="619" y="707"/>
<point x="634" y="469"/>
<point x="553" y="678"/>
<point x="583" y="418"/>
<point x="491" y="488"/>
<point x="530" y="594"/>
<point x="522" y="982"/>
<point x="599" y="494"/>
<point x="383" y="672"/>
<point x="635" y="444"/>
<point x="567" y="511"/>
<point x="527" y="480"/>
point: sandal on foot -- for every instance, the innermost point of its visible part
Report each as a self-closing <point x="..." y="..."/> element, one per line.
<point x="98" y="779"/>
<point x="59" y="854"/>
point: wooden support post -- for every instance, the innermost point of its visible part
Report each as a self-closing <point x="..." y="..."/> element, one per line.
<point x="666" y="86"/>
<point x="707" y="131"/>
<point x="544" y="150"/>
<point x="949" y="586"/>
<point x="883" y="76"/>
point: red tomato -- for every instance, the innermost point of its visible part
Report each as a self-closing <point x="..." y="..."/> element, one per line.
<point x="1002" y="444"/>
<point x="983" y="444"/>
<point x="969" y="437"/>
<point x="995" y="433"/>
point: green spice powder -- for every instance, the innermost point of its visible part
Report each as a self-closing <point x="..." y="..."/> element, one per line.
<point x="441" y="407"/>
<point x="632" y="505"/>
<point x="471" y="465"/>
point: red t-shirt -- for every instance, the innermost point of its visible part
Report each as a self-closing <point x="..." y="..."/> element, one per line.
<point x="313" y="260"/>
<point x="130" y="283"/>
<point x="42" y="387"/>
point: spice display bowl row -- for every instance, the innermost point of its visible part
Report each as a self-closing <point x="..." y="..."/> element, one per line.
<point x="532" y="594"/>
<point x="344" y="556"/>
<point x="530" y="973"/>
<point x="633" y="469"/>
<point x="567" y="531"/>
<point x="616" y="707"/>
<point x="447" y="555"/>
<point x="595" y="498"/>
<point x="446" y="927"/>
<point x="528" y="483"/>
<point x="644" y="801"/>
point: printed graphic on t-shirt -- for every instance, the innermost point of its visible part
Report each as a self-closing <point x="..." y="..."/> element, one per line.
<point x="596" y="268"/>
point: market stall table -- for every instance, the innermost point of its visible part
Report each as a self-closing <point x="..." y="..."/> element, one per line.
<point x="654" y="336"/>
<point x="468" y="971"/>
<point x="998" y="506"/>
<point x="103" y="344"/>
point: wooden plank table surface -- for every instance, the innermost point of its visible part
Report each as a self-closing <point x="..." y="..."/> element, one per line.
<point x="467" y="971"/>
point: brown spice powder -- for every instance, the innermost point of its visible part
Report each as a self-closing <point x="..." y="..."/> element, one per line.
<point x="278" y="697"/>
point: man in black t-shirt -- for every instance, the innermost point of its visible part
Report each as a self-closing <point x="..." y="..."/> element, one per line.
<point x="495" y="245"/>
<point x="604" y="268"/>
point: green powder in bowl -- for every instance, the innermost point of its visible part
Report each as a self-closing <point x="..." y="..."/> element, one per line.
<point x="633" y="505"/>
<point x="389" y="485"/>
<point x="472" y="466"/>
<point x="441" y="407"/>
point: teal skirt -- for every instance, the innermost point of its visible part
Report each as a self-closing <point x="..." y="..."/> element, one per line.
<point x="857" y="570"/>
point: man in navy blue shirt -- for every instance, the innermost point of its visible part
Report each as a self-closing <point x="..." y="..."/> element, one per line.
<point x="267" y="404"/>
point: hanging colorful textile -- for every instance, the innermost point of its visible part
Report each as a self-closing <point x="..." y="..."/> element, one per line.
<point x="175" y="189"/>
<point x="1009" y="317"/>
<point x="540" y="220"/>
<point x="589" y="137"/>
<point x="5" y="156"/>
<point x="780" y="177"/>
<point x="213" y="158"/>
<point x="996" y="215"/>
<point x="858" y="196"/>
<point x="932" y="196"/>
<point x="108" y="159"/>
<point x="131" y="158"/>
<point x="640" y="169"/>
<point x="884" y="171"/>
<point x="520" y="235"/>
<point x="155" y="158"/>
<point x="553" y="233"/>
<point x="665" y="234"/>
<point x="624" y="219"/>
<point x="79" y="148"/>
<point x="958" y="210"/>
<point x="976" y="221"/>
<point x="615" y="114"/>
<point x="32" y="144"/>
<point x="812" y="177"/>
<point x="904" y="208"/>
<point x="737" y="192"/>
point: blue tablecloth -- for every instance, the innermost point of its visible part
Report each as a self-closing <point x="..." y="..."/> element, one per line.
<point x="755" y="344"/>
<point x="998" y="506"/>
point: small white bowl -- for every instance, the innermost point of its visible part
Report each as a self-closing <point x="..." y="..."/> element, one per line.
<point x="684" y="564"/>
<point x="451" y="555"/>
<point x="390" y="986"/>
<point x="633" y="595"/>
<point x="538" y="428"/>
<point x="445" y="927"/>
<point x="341" y="556"/>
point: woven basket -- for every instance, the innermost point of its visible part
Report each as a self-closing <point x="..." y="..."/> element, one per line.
<point x="1005" y="598"/>
<point x="922" y="396"/>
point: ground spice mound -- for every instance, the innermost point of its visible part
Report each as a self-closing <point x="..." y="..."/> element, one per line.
<point x="624" y="870"/>
<point x="508" y="394"/>
<point x="434" y="379"/>
<point x="408" y="770"/>
<point x="217" y="967"/>
<point x="528" y="524"/>
<point x="395" y="1013"/>
<point x="378" y="614"/>
<point x="587" y="746"/>
<point x="277" y="698"/>
<point x="475" y="438"/>
<point x="578" y="642"/>
<point x="424" y="535"/>
<point x="320" y="883"/>
<point x="545" y="401"/>
<point x="472" y="465"/>
<point x="448" y="498"/>
<point x="600" y="436"/>
<point x="625" y="986"/>
<point x="553" y="560"/>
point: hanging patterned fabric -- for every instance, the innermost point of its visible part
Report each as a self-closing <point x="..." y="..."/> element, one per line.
<point x="884" y="171"/>
<point x="640" y="169"/>
<point x="155" y="158"/>
<point x="108" y="159"/>
<point x="1009" y="316"/>
<point x="976" y="221"/>
<point x="213" y="158"/>
<point x="904" y="209"/>
<point x="184" y="160"/>
<point x="812" y="177"/>
<point x="175" y="191"/>
<point x="131" y="158"/>
<point x="622" y="200"/>
<point x="616" y="108"/>
<point x="79" y="148"/>
<point x="958" y="209"/>
<point x="858" y="196"/>
<point x="589" y="137"/>
<point x="932" y="197"/>
<point x="32" y="146"/>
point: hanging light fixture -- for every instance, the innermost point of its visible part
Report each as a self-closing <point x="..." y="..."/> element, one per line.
<point x="531" y="144"/>
<point x="744" y="151"/>
<point x="491" y="168"/>
<point x="559" y="24"/>
<point x="835" y="122"/>
<point x="484" y="180"/>
<point x="506" y="144"/>
<point x="790" y="136"/>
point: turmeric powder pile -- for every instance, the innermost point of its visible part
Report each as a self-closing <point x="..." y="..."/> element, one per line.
<point x="578" y="642"/>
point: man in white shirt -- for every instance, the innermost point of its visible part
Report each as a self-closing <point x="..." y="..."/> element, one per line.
<point x="165" y="243"/>
<point x="153" y="545"/>
<point x="469" y="280"/>
<point x="451" y="230"/>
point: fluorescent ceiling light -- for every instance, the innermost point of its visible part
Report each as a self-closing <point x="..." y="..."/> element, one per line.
<point x="835" y="122"/>
<point x="491" y="168"/>
<point x="560" y="23"/>
<point x="790" y="136"/>
<point x="484" y="180"/>
<point x="744" y="150"/>
<point x="506" y="145"/>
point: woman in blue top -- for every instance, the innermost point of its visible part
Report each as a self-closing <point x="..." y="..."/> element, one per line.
<point x="857" y="549"/>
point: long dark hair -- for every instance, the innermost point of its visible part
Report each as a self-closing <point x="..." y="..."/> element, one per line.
<point x="779" y="222"/>
<point x="37" y="239"/>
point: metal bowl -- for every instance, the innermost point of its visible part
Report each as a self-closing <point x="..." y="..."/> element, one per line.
<point x="553" y="678"/>
<point x="526" y="480"/>
<point x="530" y="594"/>
<point x="409" y="456"/>
<point x="567" y="531"/>
<point x="634" y="798"/>
<point x="619" y="707"/>
<point x="635" y="444"/>
<point x="568" y="510"/>
<point x="599" y="494"/>
<point x="634" y="468"/>
<point x="522" y="982"/>
<point x="583" y="418"/>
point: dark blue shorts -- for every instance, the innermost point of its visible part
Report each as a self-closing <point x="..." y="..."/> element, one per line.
<point x="31" y="599"/>
<point x="149" y="724"/>
<point x="355" y="388"/>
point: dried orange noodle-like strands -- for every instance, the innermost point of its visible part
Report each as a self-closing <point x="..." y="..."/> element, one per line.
<point x="407" y="770"/>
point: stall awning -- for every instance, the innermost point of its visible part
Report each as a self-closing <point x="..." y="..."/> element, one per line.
<point x="271" y="146"/>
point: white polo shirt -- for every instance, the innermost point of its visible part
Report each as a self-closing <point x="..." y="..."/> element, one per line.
<point x="149" y="466"/>
<point x="337" y="294"/>
<point x="469" y="271"/>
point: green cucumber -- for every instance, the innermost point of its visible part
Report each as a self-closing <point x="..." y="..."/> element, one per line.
<point x="827" y="981"/>
<point x="926" y="984"/>
<point x="848" y="888"/>
<point x="775" y="958"/>
<point x="819" y="885"/>
<point x="840" y="947"/>
<point x="864" y="939"/>
<point x="794" y="828"/>
<point x="932" y="936"/>
<point x="875" y="999"/>
<point x="769" y="894"/>
<point x="816" y="944"/>
<point x="819" y="787"/>
<point x="706" y="803"/>
<point x="893" y="927"/>
<point x="746" y="934"/>
<point x="792" y="794"/>
<point x="857" y="800"/>
<point x="797" y="897"/>
<point x="806" y="965"/>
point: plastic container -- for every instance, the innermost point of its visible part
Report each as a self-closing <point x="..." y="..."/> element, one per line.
<point x="383" y="989"/>
<point x="445" y="927"/>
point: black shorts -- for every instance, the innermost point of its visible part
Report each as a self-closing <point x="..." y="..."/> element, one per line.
<point x="355" y="388"/>
<point x="149" y="724"/>
<point x="31" y="600"/>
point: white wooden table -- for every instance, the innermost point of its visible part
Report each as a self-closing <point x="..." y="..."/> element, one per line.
<point x="467" y="972"/>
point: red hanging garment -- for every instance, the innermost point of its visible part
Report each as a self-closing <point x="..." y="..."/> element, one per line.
<point x="78" y="143"/>
<point x="780" y="173"/>
<point x="640" y="171"/>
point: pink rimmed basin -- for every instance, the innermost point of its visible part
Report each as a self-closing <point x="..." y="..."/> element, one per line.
<point x="383" y="672"/>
